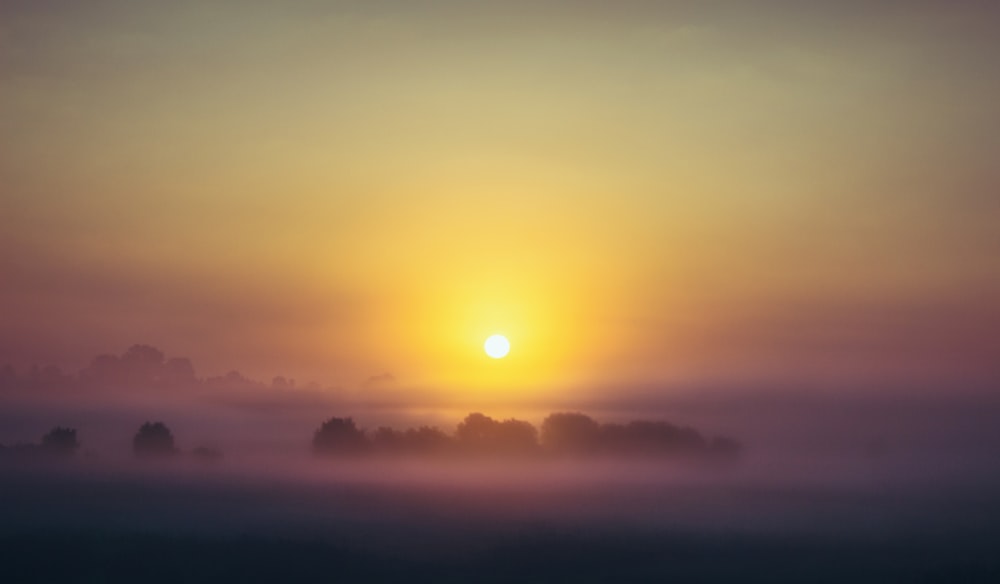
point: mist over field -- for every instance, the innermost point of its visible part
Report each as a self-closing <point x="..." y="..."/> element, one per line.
<point x="827" y="520"/>
<point x="826" y="488"/>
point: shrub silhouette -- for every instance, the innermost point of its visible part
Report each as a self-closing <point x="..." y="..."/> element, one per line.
<point x="60" y="442"/>
<point x="339" y="436"/>
<point x="153" y="440"/>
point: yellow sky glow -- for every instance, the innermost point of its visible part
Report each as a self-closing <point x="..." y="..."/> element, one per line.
<point x="653" y="195"/>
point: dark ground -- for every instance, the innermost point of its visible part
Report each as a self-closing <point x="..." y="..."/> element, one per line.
<point x="152" y="527"/>
<point x="653" y="557"/>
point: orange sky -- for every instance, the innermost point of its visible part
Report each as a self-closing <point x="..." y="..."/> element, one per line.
<point x="656" y="193"/>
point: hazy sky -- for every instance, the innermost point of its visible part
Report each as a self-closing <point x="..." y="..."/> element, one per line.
<point x="654" y="193"/>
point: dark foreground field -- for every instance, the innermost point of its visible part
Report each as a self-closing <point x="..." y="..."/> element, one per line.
<point x="151" y="526"/>
<point x="533" y="557"/>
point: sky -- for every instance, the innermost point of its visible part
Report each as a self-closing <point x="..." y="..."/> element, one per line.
<point x="669" y="195"/>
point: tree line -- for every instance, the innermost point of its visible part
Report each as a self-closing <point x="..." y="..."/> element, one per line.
<point x="562" y="434"/>
<point x="476" y="436"/>
<point x="153" y="440"/>
<point x="140" y="366"/>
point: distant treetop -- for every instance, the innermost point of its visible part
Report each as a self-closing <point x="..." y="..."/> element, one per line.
<point x="60" y="441"/>
<point x="339" y="436"/>
<point x="154" y="440"/>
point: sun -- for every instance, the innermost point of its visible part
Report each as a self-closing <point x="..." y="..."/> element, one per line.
<point x="497" y="346"/>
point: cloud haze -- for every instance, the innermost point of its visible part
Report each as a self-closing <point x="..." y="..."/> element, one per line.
<point x="658" y="192"/>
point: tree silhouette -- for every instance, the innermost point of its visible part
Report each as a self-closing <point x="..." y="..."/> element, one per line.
<point x="386" y="440"/>
<point x="60" y="442"/>
<point x="481" y="434"/>
<point x="571" y="433"/>
<point x="339" y="436"/>
<point x="178" y="372"/>
<point x="427" y="440"/>
<point x="143" y="356"/>
<point x="47" y="378"/>
<point x="476" y="432"/>
<point x="139" y="367"/>
<point x="142" y="366"/>
<point x="517" y="437"/>
<point x="104" y="370"/>
<point x="154" y="440"/>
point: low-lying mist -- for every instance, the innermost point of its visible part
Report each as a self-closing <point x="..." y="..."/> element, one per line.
<point x="786" y="486"/>
<point x="265" y="514"/>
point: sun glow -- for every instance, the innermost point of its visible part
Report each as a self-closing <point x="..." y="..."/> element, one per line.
<point x="497" y="346"/>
